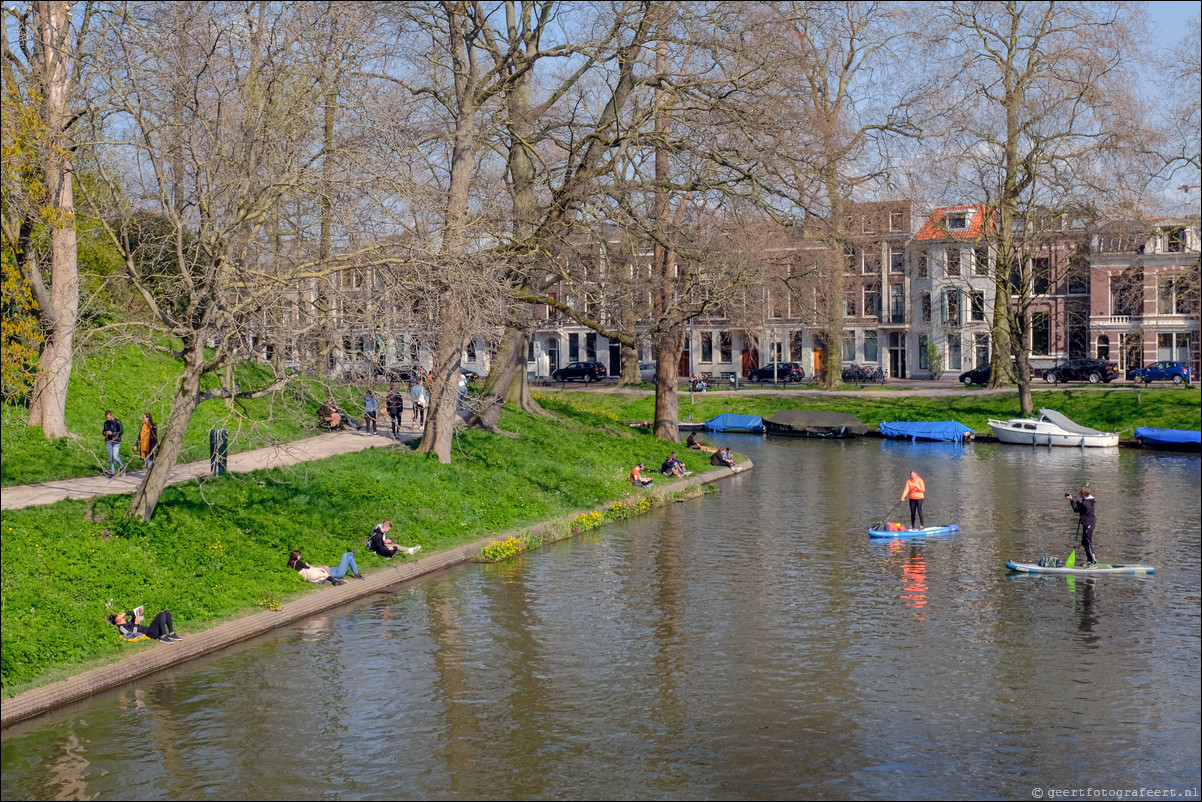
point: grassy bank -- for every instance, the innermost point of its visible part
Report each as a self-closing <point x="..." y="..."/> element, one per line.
<point x="1112" y="409"/>
<point x="131" y="382"/>
<point x="218" y="550"/>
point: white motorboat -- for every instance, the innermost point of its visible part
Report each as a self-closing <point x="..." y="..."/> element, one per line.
<point x="1051" y="429"/>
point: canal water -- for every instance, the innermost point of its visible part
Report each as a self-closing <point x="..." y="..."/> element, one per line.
<point x="752" y="644"/>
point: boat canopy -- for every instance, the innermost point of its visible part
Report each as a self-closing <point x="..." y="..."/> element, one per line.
<point x="944" y="430"/>
<point x="1169" y="436"/>
<point x="730" y="422"/>
<point x="1064" y="423"/>
<point x="815" y="423"/>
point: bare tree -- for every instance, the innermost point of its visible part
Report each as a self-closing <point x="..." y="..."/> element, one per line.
<point x="209" y="119"/>
<point x="1045" y="98"/>
<point x="45" y="71"/>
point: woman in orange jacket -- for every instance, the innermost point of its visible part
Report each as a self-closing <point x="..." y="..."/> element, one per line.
<point x="916" y="491"/>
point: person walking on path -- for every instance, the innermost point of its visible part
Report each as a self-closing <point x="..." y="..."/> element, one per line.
<point x="418" y="391"/>
<point x="371" y="412"/>
<point x="1085" y="508"/>
<point x="916" y="491"/>
<point x="148" y="440"/>
<point x="112" y="441"/>
<point x="394" y="403"/>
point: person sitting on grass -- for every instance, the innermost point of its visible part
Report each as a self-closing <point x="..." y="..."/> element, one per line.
<point x="333" y="417"/>
<point x="324" y="573"/>
<point x="381" y="544"/>
<point x="129" y="624"/>
<point x="722" y="458"/>
<point x="636" y="477"/>
<point x="674" y="467"/>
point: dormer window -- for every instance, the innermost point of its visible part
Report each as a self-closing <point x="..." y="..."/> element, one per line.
<point x="1174" y="239"/>
<point x="957" y="221"/>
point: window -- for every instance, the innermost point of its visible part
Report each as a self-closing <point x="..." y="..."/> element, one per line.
<point x="870" y="347"/>
<point x="774" y="305"/>
<point x="849" y="348"/>
<point x="1173" y="296"/>
<point x="980" y="261"/>
<point x="897" y="303"/>
<point x="897" y="259"/>
<point x="1078" y="276"/>
<point x="1104" y="347"/>
<point x="776" y="352"/>
<point x="724" y="347"/>
<point x="796" y="345"/>
<point x="957" y="221"/>
<point x="953" y="261"/>
<point x="896" y="221"/>
<point x="976" y="306"/>
<point x="1041" y="274"/>
<point x="849" y="305"/>
<point x="951" y="307"/>
<point x="707" y="346"/>
<point x="868" y="224"/>
<point x="471" y="349"/>
<point x="1174" y="239"/>
<point x="1041" y="333"/>
<point x="926" y="307"/>
<point x="872" y="301"/>
<point x="953" y="354"/>
<point x="1173" y="347"/>
<point x="849" y="261"/>
<point x="871" y="259"/>
<point x="981" y="346"/>
<point x="923" y="265"/>
<point x="574" y="347"/>
<point x="1124" y="293"/>
<point x="590" y="346"/>
<point x="923" y="362"/>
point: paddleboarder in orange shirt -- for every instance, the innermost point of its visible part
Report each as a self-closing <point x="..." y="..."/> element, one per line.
<point x="916" y="491"/>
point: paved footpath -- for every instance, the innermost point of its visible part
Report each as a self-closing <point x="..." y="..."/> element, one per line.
<point x="313" y="448"/>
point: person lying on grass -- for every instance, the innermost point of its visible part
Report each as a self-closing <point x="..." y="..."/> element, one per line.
<point x="381" y="544"/>
<point x="129" y="624"/>
<point x="324" y="573"/>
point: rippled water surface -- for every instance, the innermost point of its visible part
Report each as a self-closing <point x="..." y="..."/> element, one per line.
<point x="752" y="644"/>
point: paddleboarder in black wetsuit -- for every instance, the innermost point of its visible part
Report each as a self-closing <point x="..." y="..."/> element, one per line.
<point x="1084" y="508"/>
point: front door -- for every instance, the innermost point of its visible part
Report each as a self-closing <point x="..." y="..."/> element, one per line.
<point x="751" y="360"/>
<point x="897" y="355"/>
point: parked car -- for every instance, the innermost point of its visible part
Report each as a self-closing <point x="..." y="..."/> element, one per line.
<point x="1082" y="369"/>
<point x="981" y="373"/>
<point x="585" y="371"/>
<point x="978" y="375"/>
<point x="1175" y="372"/>
<point x="781" y="371"/>
<point x="647" y="371"/>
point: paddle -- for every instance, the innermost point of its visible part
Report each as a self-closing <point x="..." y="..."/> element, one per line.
<point x="1072" y="555"/>
<point x="891" y="509"/>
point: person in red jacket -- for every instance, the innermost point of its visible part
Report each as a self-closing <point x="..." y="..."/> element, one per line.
<point x="916" y="491"/>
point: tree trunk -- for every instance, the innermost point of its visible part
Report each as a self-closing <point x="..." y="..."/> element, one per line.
<point x="444" y="386"/>
<point x="171" y="434"/>
<point x="49" y="400"/>
<point x="668" y="348"/>
<point x="506" y="382"/>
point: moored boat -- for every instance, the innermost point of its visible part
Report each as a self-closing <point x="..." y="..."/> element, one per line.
<point x="1051" y="428"/>
<point x="1169" y="439"/>
<point x="814" y="423"/>
<point x="939" y="430"/>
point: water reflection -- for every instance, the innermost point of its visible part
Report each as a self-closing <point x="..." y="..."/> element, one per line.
<point x="749" y="644"/>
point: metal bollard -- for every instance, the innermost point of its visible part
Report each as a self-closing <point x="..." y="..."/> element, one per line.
<point x="219" y="451"/>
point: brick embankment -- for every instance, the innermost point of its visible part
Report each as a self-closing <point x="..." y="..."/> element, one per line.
<point x="157" y="657"/>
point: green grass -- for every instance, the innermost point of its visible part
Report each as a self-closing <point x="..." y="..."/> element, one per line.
<point x="131" y="382"/>
<point x="212" y="552"/>
<point x="1112" y="409"/>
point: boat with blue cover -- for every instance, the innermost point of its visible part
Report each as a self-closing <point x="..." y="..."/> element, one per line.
<point x="730" y="422"/>
<point x="949" y="431"/>
<point x="906" y="534"/>
<point x="1169" y="439"/>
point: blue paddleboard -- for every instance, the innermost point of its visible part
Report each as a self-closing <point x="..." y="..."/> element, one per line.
<point x="909" y="533"/>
